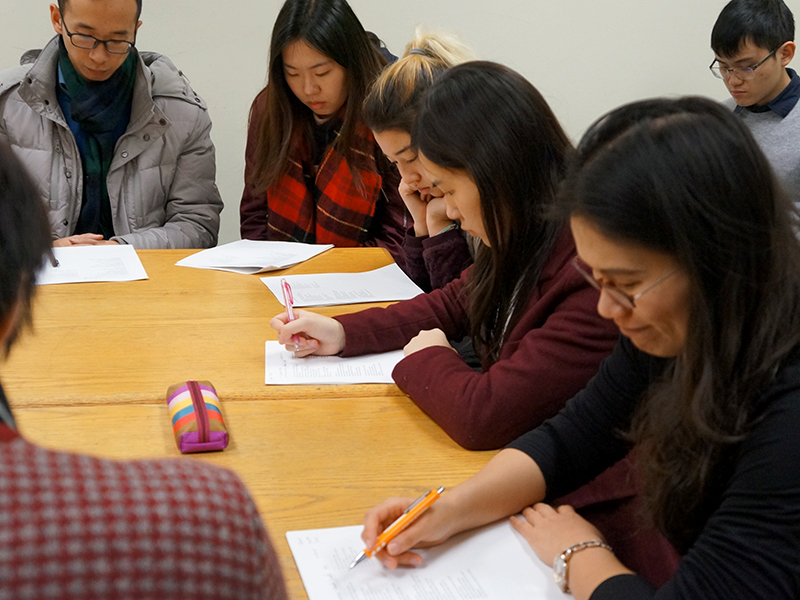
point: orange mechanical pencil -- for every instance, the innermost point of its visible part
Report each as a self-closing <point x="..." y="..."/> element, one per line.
<point x="419" y="506"/>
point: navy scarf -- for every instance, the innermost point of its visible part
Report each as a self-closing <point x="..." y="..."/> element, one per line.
<point x="102" y="109"/>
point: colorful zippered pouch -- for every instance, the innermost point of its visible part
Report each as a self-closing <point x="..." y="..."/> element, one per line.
<point x="196" y="414"/>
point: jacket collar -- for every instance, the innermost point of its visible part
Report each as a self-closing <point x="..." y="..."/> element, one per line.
<point x="38" y="88"/>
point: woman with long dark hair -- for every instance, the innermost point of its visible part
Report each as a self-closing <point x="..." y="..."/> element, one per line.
<point x="313" y="171"/>
<point x="679" y="222"/>
<point x="436" y="250"/>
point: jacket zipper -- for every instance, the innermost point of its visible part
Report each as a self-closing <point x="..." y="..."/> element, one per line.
<point x="200" y="412"/>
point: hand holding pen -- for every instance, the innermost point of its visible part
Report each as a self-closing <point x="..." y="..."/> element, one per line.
<point x="315" y="333"/>
<point x="409" y="515"/>
<point x="288" y="302"/>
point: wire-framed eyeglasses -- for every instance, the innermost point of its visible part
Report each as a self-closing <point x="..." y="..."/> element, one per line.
<point x="743" y="73"/>
<point x="616" y="294"/>
<point x="89" y="42"/>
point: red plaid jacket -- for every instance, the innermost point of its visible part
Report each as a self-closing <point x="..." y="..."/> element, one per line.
<point x="347" y="205"/>
<point x="76" y="527"/>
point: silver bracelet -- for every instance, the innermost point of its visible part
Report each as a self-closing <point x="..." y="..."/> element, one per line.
<point x="560" y="564"/>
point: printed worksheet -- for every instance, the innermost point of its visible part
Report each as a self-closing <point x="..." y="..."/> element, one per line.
<point x="283" y="368"/>
<point x="491" y="563"/>
<point x="252" y="256"/>
<point x="386" y="284"/>
<point x="90" y="264"/>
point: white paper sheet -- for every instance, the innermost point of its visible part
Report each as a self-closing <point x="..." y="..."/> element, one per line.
<point x="386" y="284"/>
<point x="282" y="368"/>
<point x="491" y="563"/>
<point x="86" y="264"/>
<point x="251" y="256"/>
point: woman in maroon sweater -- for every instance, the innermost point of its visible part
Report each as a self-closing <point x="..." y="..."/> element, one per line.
<point x="498" y="158"/>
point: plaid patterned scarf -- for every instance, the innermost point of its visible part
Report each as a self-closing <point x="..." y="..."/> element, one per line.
<point x="102" y="109"/>
<point x="329" y="207"/>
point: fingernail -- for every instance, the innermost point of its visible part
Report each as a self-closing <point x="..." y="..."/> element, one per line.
<point x="416" y="561"/>
<point x="392" y="548"/>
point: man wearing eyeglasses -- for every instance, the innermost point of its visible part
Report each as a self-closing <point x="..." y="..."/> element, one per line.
<point x="117" y="140"/>
<point x="753" y="43"/>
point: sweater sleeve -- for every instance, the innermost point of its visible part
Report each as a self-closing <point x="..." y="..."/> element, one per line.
<point x="446" y="256"/>
<point x="548" y="357"/>
<point x="254" y="208"/>
<point x="383" y="329"/>
<point x="415" y="261"/>
<point x="434" y="261"/>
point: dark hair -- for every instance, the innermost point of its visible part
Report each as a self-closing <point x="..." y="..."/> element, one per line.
<point x="25" y="239"/>
<point x="394" y="99"/>
<point x="486" y="120"/>
<point x="333" y="29"/>
<point x="767" y="23"/>
<point x="62" y="5"/>
<point x="685" y="177"/>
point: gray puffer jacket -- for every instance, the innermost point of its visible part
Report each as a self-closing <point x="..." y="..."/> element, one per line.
<point x="162" y="178"/>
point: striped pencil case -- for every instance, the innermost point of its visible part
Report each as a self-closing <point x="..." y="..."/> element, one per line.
<point x="196" y="415"/>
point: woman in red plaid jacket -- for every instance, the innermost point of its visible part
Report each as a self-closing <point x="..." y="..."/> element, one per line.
<point x="313" y="171"/>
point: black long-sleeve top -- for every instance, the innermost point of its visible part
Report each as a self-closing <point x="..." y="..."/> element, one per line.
<point x="750" y="546"/>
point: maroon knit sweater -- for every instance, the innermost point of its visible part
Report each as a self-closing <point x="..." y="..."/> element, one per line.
<point x="550" y="355"/>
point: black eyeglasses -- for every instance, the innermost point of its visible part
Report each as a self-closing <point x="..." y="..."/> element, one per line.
<point x="743" y="73"/>
<point x="89" y="42"/>
<point x="616" y="294"/>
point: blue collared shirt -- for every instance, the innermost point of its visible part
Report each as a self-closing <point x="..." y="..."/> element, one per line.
<point x="783" y="103"/>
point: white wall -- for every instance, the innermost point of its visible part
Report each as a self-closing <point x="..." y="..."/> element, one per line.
<point x="585" y="56"/>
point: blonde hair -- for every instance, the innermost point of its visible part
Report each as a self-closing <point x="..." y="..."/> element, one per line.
<point x="440" y="46"/>
<point x="393" y="100"/>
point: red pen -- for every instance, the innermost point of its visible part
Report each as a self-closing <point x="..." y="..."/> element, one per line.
<point x="288" y="301"/>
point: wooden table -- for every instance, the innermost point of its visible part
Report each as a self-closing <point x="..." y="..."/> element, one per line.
<point x="308" y="463"/>
<point x="94" y="376"/>
<point x="126" y="343"/>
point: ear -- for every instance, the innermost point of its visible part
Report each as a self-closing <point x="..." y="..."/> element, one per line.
<point x="786" y="53"/>
<point x="139" y="24"/>
<point x="55" y="19"/>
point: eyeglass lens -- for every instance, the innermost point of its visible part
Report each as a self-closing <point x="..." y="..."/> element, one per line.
<point x="87" y="42"/>
<point x="617" y="295"/>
